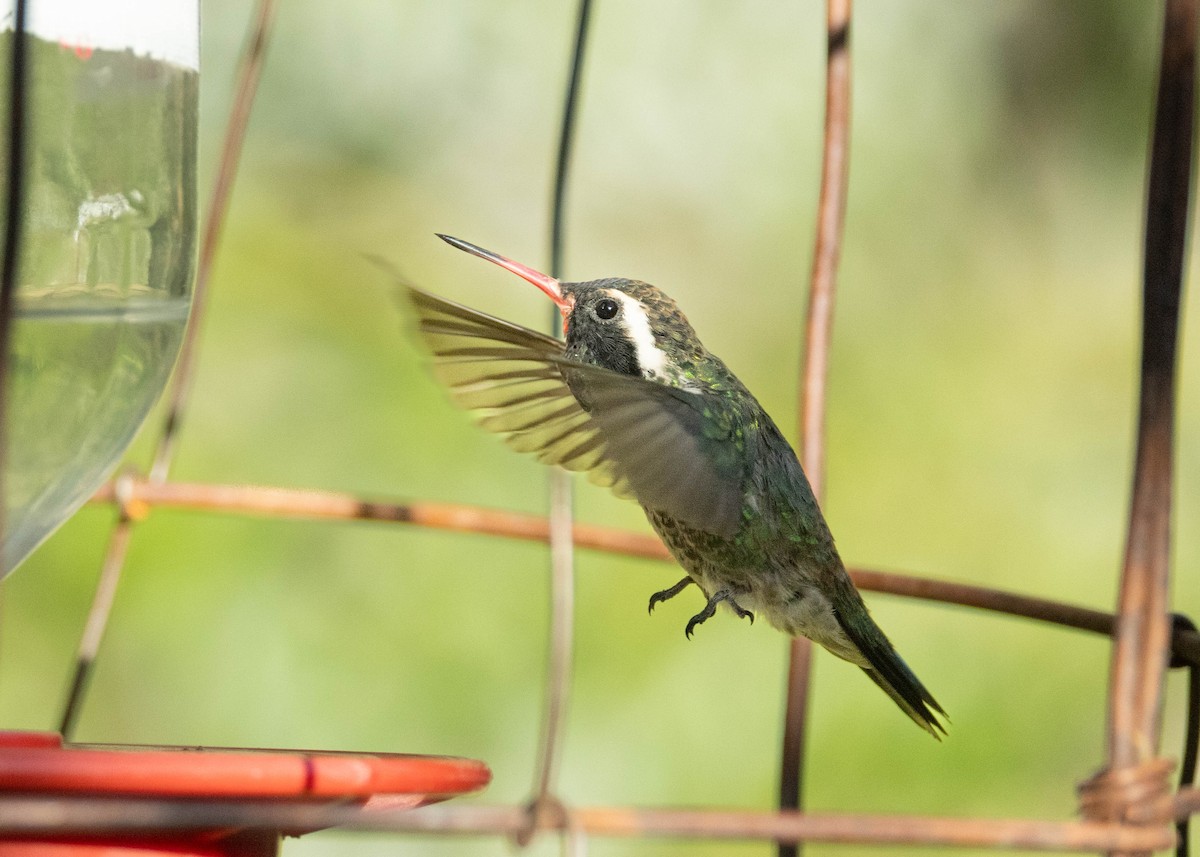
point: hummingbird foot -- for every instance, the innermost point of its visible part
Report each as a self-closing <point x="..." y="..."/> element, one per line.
<point x="667" y="594"/>
<point x="711" y="607"/>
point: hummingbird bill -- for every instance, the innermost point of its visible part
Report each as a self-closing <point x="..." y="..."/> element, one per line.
<point x="633" y="399"/>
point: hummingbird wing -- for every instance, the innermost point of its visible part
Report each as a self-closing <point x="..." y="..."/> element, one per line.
<point x="673" y="447"/>
<point x="645" y="440"/>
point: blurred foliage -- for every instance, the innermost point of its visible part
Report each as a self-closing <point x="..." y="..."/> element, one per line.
<point x="980" y="426"/>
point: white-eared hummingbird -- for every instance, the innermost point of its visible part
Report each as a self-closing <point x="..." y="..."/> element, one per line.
<point x="635" y="400"/>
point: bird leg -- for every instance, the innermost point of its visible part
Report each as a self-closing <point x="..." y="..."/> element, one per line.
<point x="711" y="607"/>
<point x="666" y="594"/>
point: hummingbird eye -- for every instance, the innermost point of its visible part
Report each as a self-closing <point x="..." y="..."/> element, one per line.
<point x="606" y="309"/>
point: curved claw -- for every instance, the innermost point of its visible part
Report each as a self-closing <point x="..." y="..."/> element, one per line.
<point x="742" y="612"/>
<point x="711" y="607"/>
<point x="669" y="593"/>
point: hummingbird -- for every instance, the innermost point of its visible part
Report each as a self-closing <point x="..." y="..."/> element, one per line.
<point x="634" y="399"/>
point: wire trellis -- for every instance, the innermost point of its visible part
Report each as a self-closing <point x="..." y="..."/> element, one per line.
<point x="1127" y="808"/>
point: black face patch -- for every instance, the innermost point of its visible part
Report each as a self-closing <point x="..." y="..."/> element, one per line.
<point x="595" y="333"/>
<point x="601" y="345"/>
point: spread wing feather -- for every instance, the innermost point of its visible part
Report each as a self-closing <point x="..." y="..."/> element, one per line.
<point x="640" y="438"/>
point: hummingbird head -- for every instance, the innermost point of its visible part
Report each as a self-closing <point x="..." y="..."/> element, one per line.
<point x="630" y="327"/>
<point x="626" y="326"/>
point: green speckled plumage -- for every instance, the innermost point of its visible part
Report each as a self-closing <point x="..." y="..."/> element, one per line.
<point x="636" y="401"/>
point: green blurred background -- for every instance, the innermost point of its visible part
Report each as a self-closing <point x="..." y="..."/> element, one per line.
<point x="981" y="405"/>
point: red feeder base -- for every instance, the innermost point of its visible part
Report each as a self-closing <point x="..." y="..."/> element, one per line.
<point x="36" y="765"/>
<point x="261" y="846"/>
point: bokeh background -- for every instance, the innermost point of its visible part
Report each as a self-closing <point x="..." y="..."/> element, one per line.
<point x="981" y="407"/>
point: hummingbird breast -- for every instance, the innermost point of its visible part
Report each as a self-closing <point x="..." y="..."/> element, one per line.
<point x="787" y="589"/>
<point x="782" y="561"/>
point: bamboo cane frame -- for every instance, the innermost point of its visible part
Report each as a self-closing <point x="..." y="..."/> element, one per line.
<point x="1141" y="626"/>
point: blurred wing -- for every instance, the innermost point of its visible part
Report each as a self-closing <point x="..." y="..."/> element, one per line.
<point x="663" y="442"/>
<point x="509" y="375"/>
<point x="642" y="439"/>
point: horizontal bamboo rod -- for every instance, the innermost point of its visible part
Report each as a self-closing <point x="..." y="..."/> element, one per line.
<point x="31" y="816"/>
<point x="138" y="496"/>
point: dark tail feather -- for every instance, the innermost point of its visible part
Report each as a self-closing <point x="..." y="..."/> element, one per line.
<point x="891" y="673"/>
<point x="914" y="700"/>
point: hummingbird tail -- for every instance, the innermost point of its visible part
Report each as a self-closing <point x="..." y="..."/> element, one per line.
<point x="914" y="700"/>
<point x="888" y="670"/>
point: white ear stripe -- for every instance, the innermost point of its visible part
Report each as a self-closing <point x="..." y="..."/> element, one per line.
<point x="651" y="359"/>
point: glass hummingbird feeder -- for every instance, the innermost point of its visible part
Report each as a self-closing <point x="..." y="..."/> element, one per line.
<point x="108" y="238"/>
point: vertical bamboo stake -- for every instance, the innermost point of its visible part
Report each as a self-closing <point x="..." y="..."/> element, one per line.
<point x="1134" y="774"/>
<point x="1143" y="625"/>
<point x="830" y="217"/>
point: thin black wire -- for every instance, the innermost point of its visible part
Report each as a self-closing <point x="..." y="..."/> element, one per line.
<point x="1191" y="737"/>
<point x="18" y="84"/>
<point x="565" y="140"/>
<point x="1187" y="771"/>
<point x="561" y="635"/>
